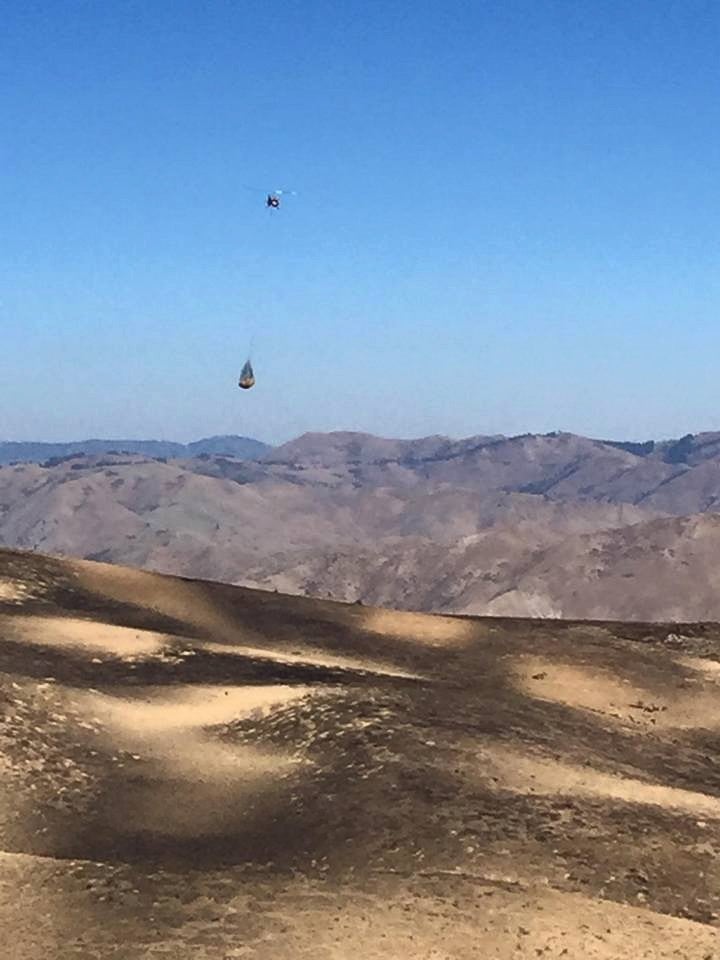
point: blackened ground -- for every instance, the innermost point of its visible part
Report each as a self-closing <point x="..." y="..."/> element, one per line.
<point x="198" y="771"/>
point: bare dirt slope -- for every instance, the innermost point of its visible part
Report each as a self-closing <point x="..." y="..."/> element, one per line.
<point x="664" y="569"/>
<point x="197" y="771"/>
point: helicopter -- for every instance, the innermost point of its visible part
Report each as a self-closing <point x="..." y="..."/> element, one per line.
<point x="273" y="198"/>
<point x="272" y="202"/>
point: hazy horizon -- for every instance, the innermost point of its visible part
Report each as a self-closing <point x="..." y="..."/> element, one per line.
<point x="186" y="440"/>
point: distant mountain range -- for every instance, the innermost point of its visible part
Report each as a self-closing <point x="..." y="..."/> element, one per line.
<point x="538" y="525"/>
<point x="36" y="452"/>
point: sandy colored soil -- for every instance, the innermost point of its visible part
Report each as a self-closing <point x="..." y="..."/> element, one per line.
<point x="200" y="772"/>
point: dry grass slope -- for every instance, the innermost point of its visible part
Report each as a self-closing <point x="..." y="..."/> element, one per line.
<point x="546" y="526"/>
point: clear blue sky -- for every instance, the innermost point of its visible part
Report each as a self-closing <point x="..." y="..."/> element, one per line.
<point x="507" y="220"/>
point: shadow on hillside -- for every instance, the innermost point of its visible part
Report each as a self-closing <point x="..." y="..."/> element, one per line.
<point x="399" y="780"/>
<point x="72" y="667"/>
<point x="397" y="775"/>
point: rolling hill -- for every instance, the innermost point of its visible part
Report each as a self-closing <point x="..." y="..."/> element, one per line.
<point x="195" y="770"/>
<point x="554" y="525"/>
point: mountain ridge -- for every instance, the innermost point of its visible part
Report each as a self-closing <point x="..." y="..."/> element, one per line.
<point x="436" y="524"/>
<point x="30" y="451"/>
